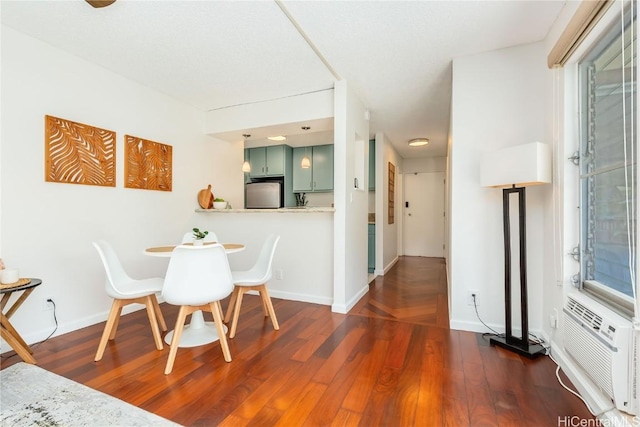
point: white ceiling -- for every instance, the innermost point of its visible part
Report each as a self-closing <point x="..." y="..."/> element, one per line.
<point x="215" y="54"/>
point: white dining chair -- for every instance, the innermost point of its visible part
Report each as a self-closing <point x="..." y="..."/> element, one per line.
<point x="188" y="237"/>
<point x="197" y="278"/>
<point x="124" y="290"/>
<point x="254" y="279"/>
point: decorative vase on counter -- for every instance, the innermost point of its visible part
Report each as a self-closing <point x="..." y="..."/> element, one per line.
<point x="301" y="199"/>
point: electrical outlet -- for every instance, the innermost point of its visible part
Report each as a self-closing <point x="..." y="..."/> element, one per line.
<point x="471" y="294"/>
<point x="279" y="274"/>
<point x="47" y="304"/>
<point x="553" y="319"/>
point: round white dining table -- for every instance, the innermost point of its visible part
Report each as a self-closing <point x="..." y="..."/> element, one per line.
<point x="197" y="332"/>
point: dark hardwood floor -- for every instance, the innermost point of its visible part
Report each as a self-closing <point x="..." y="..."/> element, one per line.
<point x="392" y="361"/>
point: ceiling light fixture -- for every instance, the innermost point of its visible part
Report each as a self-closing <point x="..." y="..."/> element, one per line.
<point x="418" y="142"/>
<point x="246" y="166"/>
<point x="306" y="162"/>
<point x="277" y="138"/>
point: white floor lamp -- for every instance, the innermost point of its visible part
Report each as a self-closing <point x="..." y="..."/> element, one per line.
<point x="513" y="169"/>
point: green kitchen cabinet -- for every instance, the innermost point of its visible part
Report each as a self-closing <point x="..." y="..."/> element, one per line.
<point x="318" y="177"/>
<point x="268" y="161"/>
<point x="372" y="248"/>
<point x="372" y="164"/>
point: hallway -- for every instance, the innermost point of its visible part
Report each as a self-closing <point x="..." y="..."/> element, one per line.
<point x="414" y="290"/>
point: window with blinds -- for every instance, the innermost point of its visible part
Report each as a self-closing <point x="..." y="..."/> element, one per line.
<point x="608" y="152"/>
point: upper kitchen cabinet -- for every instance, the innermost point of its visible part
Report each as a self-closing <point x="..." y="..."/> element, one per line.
<point x="318" y="177"/>
<point x="268" y="161"/>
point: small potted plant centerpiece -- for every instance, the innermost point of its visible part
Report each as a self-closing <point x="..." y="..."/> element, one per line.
<point x="219" y="203"/>
<point x="198" y="236"/>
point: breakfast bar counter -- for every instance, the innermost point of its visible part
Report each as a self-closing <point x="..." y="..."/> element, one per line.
<point x="301" y="210"/>
<point x="303" y="262"/>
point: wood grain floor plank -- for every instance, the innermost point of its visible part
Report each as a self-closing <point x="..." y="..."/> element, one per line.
<point x="507" y="409"/>
<point x="330" y="403"/>
<point x="269" y="388"/>
<point x="334" y="362"/>
<point x="346" y="418"/>
<point x="358" y="395"/>
<point x="455" y="413"/>
<point x="302" y="406"/>
<point x="288" y="393"/>
<point x="430" y="395"/>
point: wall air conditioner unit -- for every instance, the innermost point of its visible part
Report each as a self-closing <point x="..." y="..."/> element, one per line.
<point x="601" y="342"/>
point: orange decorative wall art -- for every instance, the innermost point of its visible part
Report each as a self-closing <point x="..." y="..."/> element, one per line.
<point x="148" y="164"/>
<point x="76" y="153"/>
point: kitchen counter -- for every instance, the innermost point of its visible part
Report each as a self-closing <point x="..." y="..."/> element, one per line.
<point x="280" y="210"/>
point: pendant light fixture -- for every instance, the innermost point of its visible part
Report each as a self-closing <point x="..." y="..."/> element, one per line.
<point x="306" y="162"/>
<point x="246" y="166"/>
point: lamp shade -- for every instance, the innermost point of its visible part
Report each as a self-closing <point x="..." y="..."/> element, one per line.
<point x="305" y="163"/>
<point x="520" y="166"/>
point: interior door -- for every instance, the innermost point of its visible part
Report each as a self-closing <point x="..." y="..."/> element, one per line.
<point x="423" y="225"/>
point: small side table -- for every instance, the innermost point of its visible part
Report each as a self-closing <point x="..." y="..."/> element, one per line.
<point x="7" y="331"/>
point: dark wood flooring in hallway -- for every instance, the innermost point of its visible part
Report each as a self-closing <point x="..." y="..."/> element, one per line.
<point x="391" y="361"/>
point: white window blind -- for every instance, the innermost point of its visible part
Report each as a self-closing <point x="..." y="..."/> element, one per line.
<point x="608" y="152"/>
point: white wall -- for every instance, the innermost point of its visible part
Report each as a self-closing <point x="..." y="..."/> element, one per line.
<point x="47" y="228"/>
<point x="350" y="220"/>
<point x="498" y="100"/>
<point x="425" y="164"/>
<point x="388" y="239"/>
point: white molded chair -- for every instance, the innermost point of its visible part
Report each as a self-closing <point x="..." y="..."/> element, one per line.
<point x="188" y="237"/>
<point x="124" y="290"/>
<point x="198" y="277"/>
<point x="254" y="279"/>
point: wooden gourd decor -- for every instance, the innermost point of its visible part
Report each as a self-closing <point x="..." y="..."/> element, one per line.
<point x="205" y="198"/>
<point x="100" y="3"/>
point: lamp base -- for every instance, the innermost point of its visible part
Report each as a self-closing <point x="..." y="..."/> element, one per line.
<point x="533" y="350"/>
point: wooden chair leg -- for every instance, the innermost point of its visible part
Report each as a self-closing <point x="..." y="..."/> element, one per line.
<point x="159" y="316"/>
<point x="116" y="323"/>
<point x="265" y="309"/>
<point x="232" y="303"/>
<point x="151" y="312"/>
<point x="216" y="310"/>
<point x="114" y="314"/>
<point x="177" y="333"/>
<point x="266" y="299"/>
<point x="236" y="312"/>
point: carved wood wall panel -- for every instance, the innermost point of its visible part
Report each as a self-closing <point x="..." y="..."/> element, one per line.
<point x="148" y="164"/>
<point x="76" y="153"/>
<point x="392" y="194"/>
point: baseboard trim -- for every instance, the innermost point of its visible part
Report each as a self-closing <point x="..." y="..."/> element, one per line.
<point x="291" y="296"/>
<point x="344" y="308"/>
<point x="388" y="267"/>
